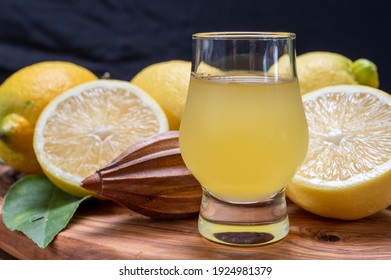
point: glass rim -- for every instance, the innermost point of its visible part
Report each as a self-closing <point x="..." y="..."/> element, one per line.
<point x="229" y="35"/>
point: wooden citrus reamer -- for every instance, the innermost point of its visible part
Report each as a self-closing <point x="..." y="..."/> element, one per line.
<point x="150" y="178"/>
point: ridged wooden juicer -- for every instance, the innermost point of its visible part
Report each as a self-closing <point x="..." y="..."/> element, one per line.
<point x="150" y="178"/>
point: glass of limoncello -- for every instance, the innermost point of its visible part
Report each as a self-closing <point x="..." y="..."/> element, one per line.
<point x="243" y="133"/>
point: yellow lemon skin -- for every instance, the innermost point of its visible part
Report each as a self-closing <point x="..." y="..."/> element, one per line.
<point x="22" y="98"/>
<point x="320" y="69"/>
<point x="348" y="203"/>
<point x="14" y="129"/>
<point x="167" y="82"/>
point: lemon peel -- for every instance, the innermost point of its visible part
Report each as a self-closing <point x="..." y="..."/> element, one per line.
<point x="167" y="82"/>
<point x="320" y="69"/>
<point x="14" y="129"/>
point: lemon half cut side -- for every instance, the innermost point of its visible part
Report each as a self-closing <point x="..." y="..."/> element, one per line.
<point x="347" y="171"/>
<point x="88" y="126"/>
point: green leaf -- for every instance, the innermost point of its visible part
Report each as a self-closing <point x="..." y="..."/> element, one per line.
<point x="38" y="208"/>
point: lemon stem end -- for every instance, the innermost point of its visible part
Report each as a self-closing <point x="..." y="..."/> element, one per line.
<point x="365" y="72"/>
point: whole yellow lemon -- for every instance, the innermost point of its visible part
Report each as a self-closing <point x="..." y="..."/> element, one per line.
<point x="23" y="96"/>
<point x="167" y="82"/>
<point x="320" y="69"/>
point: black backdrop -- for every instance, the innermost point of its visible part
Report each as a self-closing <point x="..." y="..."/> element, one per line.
<point x="123" y="36"/>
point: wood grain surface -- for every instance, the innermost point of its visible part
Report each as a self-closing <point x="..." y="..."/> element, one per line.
<point x="104" y="230"/>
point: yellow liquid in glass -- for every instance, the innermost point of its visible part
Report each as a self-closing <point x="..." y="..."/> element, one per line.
<point x="243" y="137"/>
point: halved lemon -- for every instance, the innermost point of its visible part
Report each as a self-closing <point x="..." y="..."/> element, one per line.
<point x="347" y="172"/>
<point x="86" y="127"/>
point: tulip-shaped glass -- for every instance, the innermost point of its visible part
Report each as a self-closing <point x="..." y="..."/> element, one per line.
<point x="243" y="133"/>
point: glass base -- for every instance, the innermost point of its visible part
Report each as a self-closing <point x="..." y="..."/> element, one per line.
<point x="251" y="224"/>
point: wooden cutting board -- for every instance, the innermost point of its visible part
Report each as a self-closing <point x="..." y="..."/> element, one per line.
<point x="104" y="230"/>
